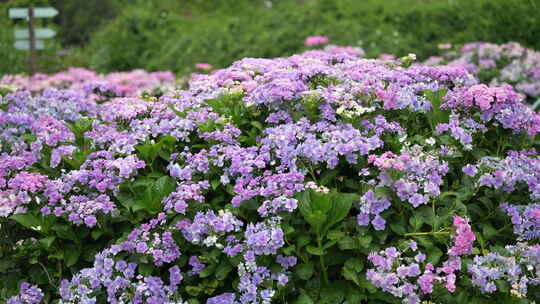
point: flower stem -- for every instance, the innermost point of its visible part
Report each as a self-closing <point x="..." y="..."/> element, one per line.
<point x="426" y="233"/>
<point x="321" y="261"/>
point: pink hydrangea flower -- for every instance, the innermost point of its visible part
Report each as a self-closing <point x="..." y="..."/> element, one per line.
<point x="387" y="57"/>
<point x="203" y="66"/>
<point x="316" y="40"/>
<point x="463" y="239"/>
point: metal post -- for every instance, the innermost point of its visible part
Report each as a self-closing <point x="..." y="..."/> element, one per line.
<point x="32" y="38"/>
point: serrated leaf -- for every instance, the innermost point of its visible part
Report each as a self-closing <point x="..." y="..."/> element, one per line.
<point x="164" y="186"/>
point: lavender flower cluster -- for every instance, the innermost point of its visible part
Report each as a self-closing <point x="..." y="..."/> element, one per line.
<point x="508" y="63"/>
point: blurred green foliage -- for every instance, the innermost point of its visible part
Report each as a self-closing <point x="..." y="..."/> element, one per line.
<point x="162" y="34"/>
<point x="173" y="35"/>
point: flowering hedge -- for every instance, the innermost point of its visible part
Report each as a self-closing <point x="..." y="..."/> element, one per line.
<point x="494" y="64"/>
<point x="317" y="178"/>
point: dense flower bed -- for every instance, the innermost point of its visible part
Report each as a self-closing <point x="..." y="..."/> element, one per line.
<point x="317" y="178"/>
<point x="125" y="84"/>
<point x="496" y="64"/>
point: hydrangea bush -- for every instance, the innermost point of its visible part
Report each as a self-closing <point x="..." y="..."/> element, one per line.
<point x="124" y="84"/>
<point x="496" y="64"/>
<point x="317" y="178"/>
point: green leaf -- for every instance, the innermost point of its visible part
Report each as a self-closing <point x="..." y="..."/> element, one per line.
<point x="304" y="299"/>
<point x="320" y="201"/>
<point x="328" y="176"/>
<point x="222" y="270"/>
<point x="96" y="234"/>
<point x="398" y="227"/>
<point x="335" y="235"/>
<point x="365" y="240"/>
<point x="71" y="255"/>
<point x="215" y="183"/>
<point x="488" y="231"/>
<point x="333" y="293"/>
<point x="304" y="271"/>
<point x="193" y="290"/>
<point x="355" y="264"/>
<point x="316" y="220"/>
<point x="416" y="222"/>
<point x="165" y="185"/>
<point x="502" y="286"/>
<point x="341" y="205"/>
<point x="437" y="115"/>
<point x="350" y="275"/>
<point x="302" y="241"/>
<point x="207" y="271"/>
<point x="314" y="250"/>
<point x="347" y="243"/>
<point x="48" y="241"/>
<point x="434" y="255"/>
<point x="27" y="220"/>
<point x="65" y="232"/>
<point x="329" y="244"/>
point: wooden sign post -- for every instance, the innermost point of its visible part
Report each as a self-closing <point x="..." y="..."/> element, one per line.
<point x="32" y="38"/>
<point x="32" y="33"/>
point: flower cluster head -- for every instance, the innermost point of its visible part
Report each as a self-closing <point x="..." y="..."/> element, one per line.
<point x="371" y="207"/>
<point x="410" y="277"/>
<point x="519" y="267"/>
<point x="203" y="66"/>
<point x="525" y="219"/>
<point x="518" y="170"/>
<point x="420" y="178"/>
<point x="29" y="294"/>
<point x="264" y="238"/>
<point x="463" y="238"/>
<point x="316" y="40"/>
<point x="207" y="227"/>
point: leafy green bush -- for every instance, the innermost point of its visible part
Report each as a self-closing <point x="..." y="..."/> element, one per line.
<point x="167" y="36"/>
